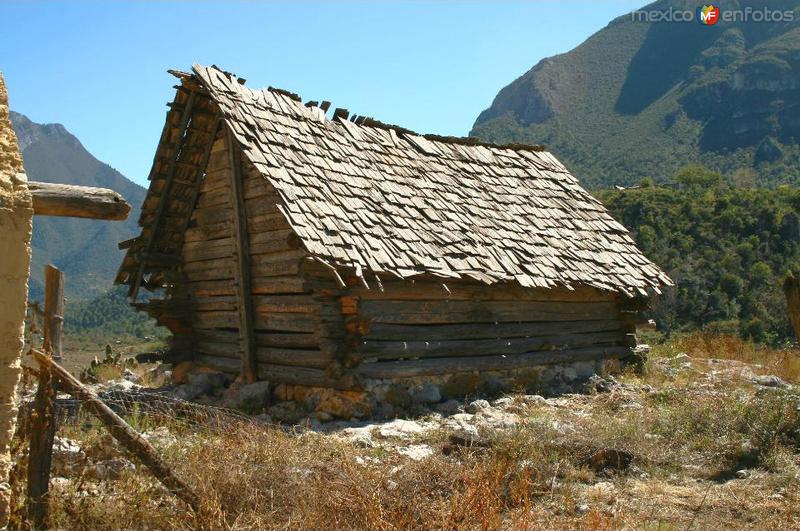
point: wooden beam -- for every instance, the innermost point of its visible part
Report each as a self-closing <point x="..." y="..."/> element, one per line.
<point x="50" y="199"/>
<point x="162" y="200"/>
<point x="242" y="272"/>
<point x="434" y="366"/>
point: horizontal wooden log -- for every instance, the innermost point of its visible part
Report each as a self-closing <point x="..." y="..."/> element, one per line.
<point x="435" y="366"/>
<point x="289" y="322"/>
<point x="299" y="340"/>
<point x="418" y="312"/>
<point x="279" y="373"/>
<point x="210" y="216"/>
<point x="410" y="290"/>
<point x="263" y="304"/>
<point x="279" y="356"/>
<point x="67" y="200"/>
<point x="261" y="286"/>
<point x="388" y="350"/>
<point x="443" y="332"/>
<point x="207" y="250"/>
<point x="210" y="232"/>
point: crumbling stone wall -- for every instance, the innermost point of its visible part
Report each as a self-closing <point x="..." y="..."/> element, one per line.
<point x="16" y="212"/>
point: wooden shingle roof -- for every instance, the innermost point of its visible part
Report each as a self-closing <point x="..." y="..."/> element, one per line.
<point x="384" y="200"/>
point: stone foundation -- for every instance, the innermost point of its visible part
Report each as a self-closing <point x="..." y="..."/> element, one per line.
<point x="387" y="398"/>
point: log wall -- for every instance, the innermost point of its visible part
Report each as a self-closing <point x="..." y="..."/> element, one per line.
<point x="400" y="328"/>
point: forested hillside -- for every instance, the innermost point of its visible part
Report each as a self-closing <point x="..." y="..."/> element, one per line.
<point x="727" y="248"/>
<point x="641" y="99"/>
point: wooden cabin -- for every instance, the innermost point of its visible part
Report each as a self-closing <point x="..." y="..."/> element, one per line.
<point x="280" y="244"/>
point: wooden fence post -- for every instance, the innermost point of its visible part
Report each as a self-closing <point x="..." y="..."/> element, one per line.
<point x="43" y="422"/>
<point x="53" y="312"/>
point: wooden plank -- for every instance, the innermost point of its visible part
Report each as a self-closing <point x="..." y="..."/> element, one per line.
<point x="428" y="290"/>
<point x="387" y="350"/>
<point x="279" y="373"/>
<point x="443" y="332"/>
<point x="210" y="216"/>
<point x="419" y="312"/>
<point x="261" y="286"/>
<point x="200" y="172"/>
<point x="279" y="356"/>
<point x="435" y="366"/>
<point x="243" y="267"/>
<point x="209" y="232"/>
<point x="66" y="200"/>
<point x="272" y="339"/>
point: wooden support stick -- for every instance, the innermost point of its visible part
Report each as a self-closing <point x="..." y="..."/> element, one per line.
<point x="72" y="201"/>
<point x="53" y="312"/>
<point x="242" y="273"/>
<point x="122" y="432"/>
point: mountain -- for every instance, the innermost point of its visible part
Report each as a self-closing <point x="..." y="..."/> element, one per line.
<point x="86" y="250"/>
<point x="641" y="98"/>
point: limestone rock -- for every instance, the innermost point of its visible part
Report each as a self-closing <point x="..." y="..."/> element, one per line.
<point x="450" y="407"/>
<point x="416" y="452"/>
<point x="477" y="405"/>
<point x="254" y="397"/>
<point x="427" y="394"/>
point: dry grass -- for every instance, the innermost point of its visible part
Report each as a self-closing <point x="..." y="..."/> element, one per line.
<point x="662" y="458"/>
<point x="782" y="362"/>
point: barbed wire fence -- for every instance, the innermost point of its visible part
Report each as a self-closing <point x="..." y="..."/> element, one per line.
<point x="55" y="404"/>
<point x="138" y="415"/>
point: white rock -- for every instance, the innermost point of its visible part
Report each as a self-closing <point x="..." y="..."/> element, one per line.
<point x="401" y="429"/>
<point x="535" y="400"/>
<point x="477" y="405"/>
<point x="503" y="402"/>
<point x="360" y="436"/>
<point x="769" y="381"/>
<point x="160" y="436"/>
<point x="416" y="452"/>
<point x="449" y="407"/>
<point x="427" y="394"/>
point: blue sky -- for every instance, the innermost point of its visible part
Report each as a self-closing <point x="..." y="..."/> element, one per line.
<point x="100" y="68"/>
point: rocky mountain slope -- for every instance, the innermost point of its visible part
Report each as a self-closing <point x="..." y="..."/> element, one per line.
<point x="86" y="250"/>
<point x="641" y="99"/>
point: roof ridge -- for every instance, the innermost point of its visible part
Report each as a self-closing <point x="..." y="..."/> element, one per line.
<point x="365" y="121"/>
